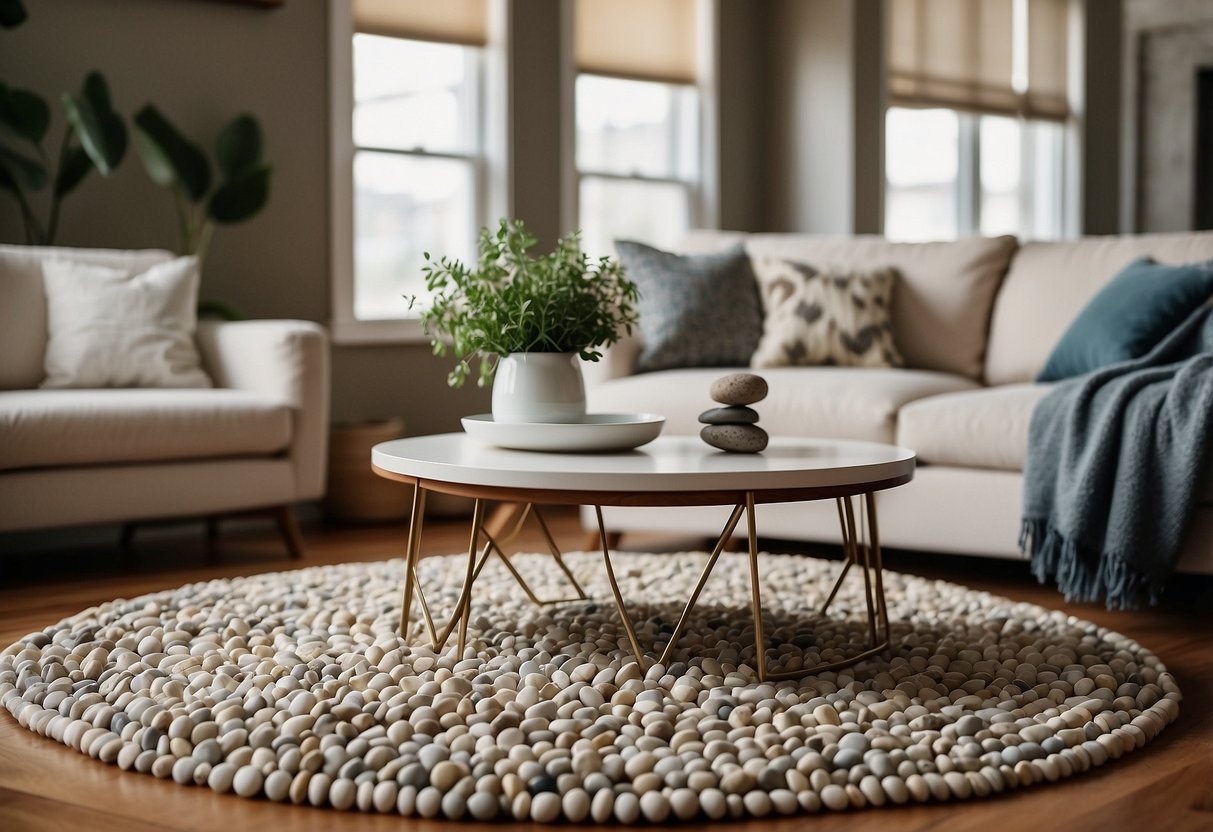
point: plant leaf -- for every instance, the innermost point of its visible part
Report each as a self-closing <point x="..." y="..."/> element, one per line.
<point x="76" y="165"/>
<point x="22" y="170"/>
<point x="169" y="157"/>
<point x="242" y="197"/>
<point x="24" y="113"/>
<point x="238" y="148"/>
<point x="101" y="130"/>
<point x="7" y="183"/>
<point x="12" y="13"/>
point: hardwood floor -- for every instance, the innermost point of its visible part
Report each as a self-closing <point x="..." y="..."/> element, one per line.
<point x="1168" y="785"/>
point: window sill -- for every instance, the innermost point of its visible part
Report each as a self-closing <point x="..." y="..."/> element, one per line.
<point x="346" y="333"/>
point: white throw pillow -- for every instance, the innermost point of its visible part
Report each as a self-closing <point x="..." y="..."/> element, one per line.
<point x="109" y="328"/>
<point x="831" y="317"/>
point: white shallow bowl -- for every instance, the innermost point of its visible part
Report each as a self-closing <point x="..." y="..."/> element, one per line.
<point x="594" y="432"/>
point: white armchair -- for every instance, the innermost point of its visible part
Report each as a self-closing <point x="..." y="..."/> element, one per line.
<point x="256" y="441"/>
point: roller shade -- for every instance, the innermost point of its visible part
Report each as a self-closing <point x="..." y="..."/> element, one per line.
<point x="449" y="21"/>
<point x="649" y="39"/>
<point x="963" y="55"/>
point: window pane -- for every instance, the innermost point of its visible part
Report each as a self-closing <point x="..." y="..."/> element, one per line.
<point x="921" y="157"/>
<point x="640" y="128"/>
<point x="411" y="94"/>
<point x="1001" y="173"/>
<point x="403" y="207"/>
<point x="1046" y="171"/>
<point x="657" y="213"/>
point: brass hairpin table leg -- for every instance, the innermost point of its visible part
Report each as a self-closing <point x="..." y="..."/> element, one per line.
<point x="867" y="556"/>
<point x="477" y="557"/>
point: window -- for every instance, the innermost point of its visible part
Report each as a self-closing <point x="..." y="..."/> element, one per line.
<point x="950" y="174"/>
<point x="409" y="166"/>
<point x="639" y="128"/>
<point x="975" y="140"/>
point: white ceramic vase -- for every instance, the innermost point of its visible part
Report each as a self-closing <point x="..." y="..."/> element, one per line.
<point x="538" y="387"/>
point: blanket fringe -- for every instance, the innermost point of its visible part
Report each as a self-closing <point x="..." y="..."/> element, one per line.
<point x="1083" y="574"/>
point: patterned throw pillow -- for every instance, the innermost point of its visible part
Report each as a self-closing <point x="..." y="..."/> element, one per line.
<point x="696" y="310"/>
<point x="824" y="317"/>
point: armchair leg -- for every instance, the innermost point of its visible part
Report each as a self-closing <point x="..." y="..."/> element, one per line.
<point x="126" y="538"/>
<point x="289" y="529"/>
<point x="212" y="539"/>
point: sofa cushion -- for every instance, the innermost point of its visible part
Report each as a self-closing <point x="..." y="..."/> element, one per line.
<point x="23" y="303"/>
<point x="695" y="311"/>
<point x="816" y="318"/>
<point x="1049" y="284"/>
<point x="48" y="428"/>
<point x="986" y="428"/>
<point x="108" y="328"/>
<point x="831" y="402"/>
<point x="1129" y="317"/>
<point x="941" y="303"/>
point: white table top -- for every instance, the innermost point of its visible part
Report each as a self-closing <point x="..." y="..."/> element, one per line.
<point x="670" y="463"/>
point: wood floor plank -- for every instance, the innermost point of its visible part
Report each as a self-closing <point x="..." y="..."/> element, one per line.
<point x="1167" y="785"/>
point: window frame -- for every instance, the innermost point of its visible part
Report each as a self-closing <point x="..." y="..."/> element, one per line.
<point x="968" y="187"/>
<point x="344" y="326"/>
<point x="703" y="209"/>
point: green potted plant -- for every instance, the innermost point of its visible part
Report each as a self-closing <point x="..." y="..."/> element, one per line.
<point x="527" y="320"/>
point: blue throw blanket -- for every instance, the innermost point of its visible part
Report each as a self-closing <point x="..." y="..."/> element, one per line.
<point x="1116" y="463"/>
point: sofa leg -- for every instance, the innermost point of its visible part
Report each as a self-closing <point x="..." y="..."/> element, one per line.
<point x="126" y="538"/>
<point x="212" y="539"/>
<point x="593" y="543"/>
<point x="289" y="529"/>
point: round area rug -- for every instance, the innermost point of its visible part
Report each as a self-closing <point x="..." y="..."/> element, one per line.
<point x="295" y="687"/>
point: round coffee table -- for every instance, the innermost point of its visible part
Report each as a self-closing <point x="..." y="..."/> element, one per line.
<point x="670" y="471"/>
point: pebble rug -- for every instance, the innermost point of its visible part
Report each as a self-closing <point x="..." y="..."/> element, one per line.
<point x="294" y="687"/>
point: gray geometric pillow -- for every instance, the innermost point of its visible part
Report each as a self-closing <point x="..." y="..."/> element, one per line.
<point x="825" y="318"/>
<point x="695" y="311"/>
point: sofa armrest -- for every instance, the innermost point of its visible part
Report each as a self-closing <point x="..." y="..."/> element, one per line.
<point x="287" y="361"/>
<point x="617" y="361"/>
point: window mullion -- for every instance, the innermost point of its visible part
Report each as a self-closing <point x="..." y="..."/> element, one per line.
<point x="968" y="174"/>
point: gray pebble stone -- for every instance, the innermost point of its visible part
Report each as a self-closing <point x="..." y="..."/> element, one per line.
<point x="482" y="806"/>
<point x="835" y="797"/>
<point x="742" y="439"/>
<point x="739" y="389"/>
<point x="247" y="781"/>
<point x="847" y="757"/>
<point x="277" y="785"/>
<point x="735" y="415"/>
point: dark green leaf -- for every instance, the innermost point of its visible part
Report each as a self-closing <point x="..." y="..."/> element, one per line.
<point x="239" y="146"/>
<point x="12" y="13"/>
<point x="242" y="197"/>
<point x="24" y="171"/>
<point x="220" y="311"/>
<point x="76" y="165"/>
<point x="170" y="158"/>
<point x="24" y="113"/>
<point x="97" y="92"/>
<point x="101" y="130"/>
<point x="7" y="183"/>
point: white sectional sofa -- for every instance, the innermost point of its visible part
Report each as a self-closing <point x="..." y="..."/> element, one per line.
<point x="975" y="321"/>
<point x="67" y="457"/>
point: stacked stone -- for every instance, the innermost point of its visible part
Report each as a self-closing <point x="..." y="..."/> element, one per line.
<point x="734" y="427"/>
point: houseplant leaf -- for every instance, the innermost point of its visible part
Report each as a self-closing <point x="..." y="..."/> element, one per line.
<point x="75" y="166"/>
<point x="101" y="130"/>
<point x="170" y="158"/>
<point x="24" y="113"/>
<point x="12" y="13"/>
<point x="242" y="197"/>
<point x="25" y="172"/>
<point x="238" y="147"/>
